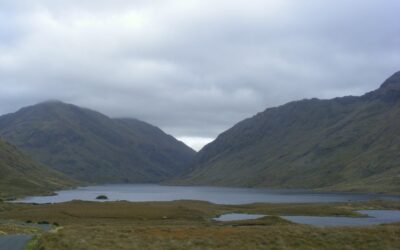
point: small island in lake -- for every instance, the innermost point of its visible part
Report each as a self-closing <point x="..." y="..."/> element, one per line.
<point x="102" y="197"/>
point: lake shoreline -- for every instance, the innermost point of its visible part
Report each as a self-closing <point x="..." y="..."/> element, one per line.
<point x="167" y="184"/>
<point x="217" y="195"/>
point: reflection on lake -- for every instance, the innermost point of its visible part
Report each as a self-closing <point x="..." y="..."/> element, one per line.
<point x="218" y="195"/>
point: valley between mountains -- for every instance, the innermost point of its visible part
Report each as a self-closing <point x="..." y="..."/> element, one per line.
<point x="347" y="143"/>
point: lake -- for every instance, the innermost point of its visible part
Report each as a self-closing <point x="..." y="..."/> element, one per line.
<point x="218" y="195"/>
<point x="375" y="217"/>
<point x="238" y="216"/>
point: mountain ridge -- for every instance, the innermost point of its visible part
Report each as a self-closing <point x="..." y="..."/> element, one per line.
<point x="92" y="147"/>
<point x="347" y="144"/>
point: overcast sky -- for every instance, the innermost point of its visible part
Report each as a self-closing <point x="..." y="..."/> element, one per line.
<point x="193" y="67"/>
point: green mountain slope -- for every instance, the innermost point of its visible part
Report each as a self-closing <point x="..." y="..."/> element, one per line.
<point x="20" y="175"/>
<point x="91" y="147"/>
<point x="349" y="143"/>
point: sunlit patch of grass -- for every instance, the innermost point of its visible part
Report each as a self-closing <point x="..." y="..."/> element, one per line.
<point x="32" y="244"/>
<point x="17" y="229"/>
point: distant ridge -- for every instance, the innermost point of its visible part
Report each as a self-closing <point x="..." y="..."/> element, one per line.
<point x="349" y="143"/>
<point x="91" y="147"/>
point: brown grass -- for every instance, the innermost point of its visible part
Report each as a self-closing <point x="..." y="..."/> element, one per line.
<point x="10" y="228"/>
<point x="188" y="225"/>
<point x="221" y="237"/>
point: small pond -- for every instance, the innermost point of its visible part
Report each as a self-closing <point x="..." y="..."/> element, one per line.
<point x="375" y="217"/>
<point x="237" y="216"/>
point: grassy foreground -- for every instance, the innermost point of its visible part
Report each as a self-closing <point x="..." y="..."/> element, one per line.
<point x="188" y="225"/>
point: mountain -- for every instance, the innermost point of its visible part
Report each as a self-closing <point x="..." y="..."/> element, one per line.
<point x="348" y="144"/>
<point x="92" y="147"/>
<point x="20" y="175"/>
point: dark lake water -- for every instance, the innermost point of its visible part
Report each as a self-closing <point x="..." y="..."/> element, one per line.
<point x="218" y="195"/>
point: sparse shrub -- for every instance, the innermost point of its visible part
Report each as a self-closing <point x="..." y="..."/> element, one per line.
<point x="28" y="221"/>
<point x="56" y="224"/>
<point x="43" y="222"/>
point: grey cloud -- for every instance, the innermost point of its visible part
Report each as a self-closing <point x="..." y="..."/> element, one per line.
<point x="194" y="68"/>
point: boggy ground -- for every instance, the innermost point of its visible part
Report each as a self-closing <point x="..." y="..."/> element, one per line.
<point x="188" y="225"/>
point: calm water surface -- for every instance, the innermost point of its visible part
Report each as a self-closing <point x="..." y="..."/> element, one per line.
<point x="375" y="217"/>
<point x="218" y="195"/>
<point x="237" y="216"/>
